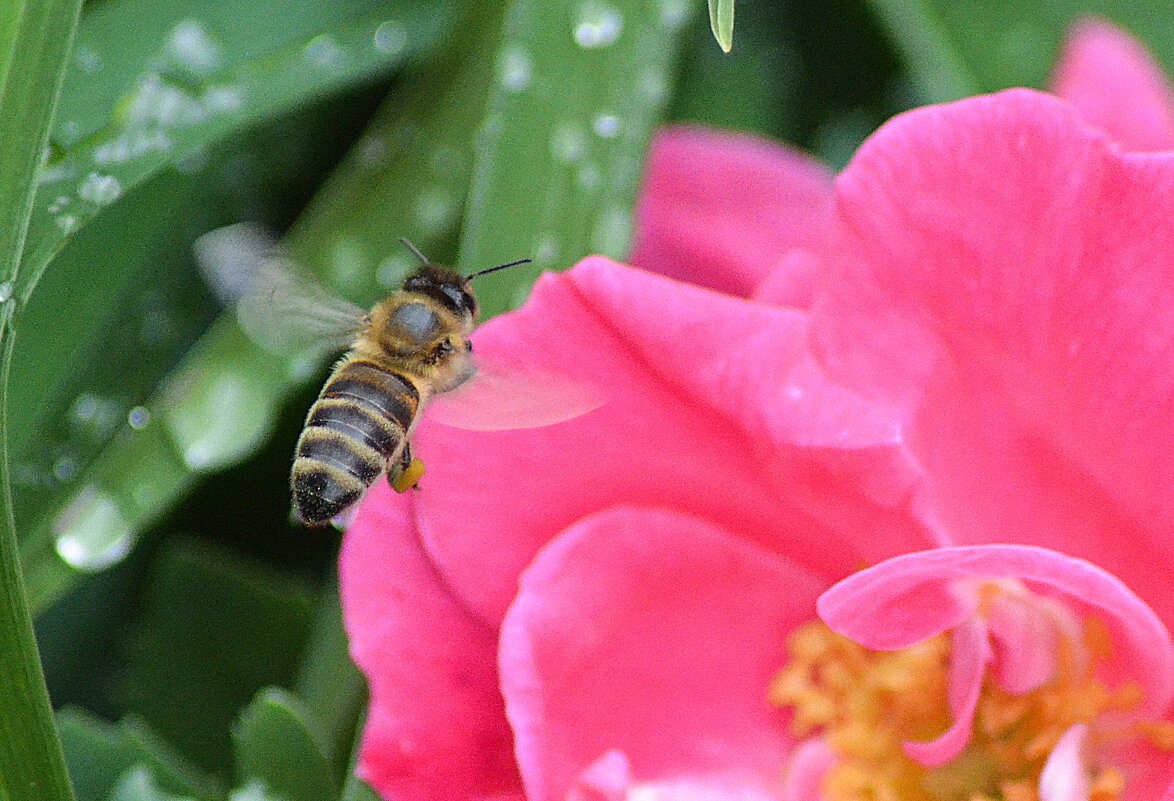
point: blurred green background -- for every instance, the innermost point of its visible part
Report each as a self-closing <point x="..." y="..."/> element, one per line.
<point x="189" y="633"/>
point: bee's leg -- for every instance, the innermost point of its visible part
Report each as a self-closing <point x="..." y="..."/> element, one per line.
<point x="405" y="474"/>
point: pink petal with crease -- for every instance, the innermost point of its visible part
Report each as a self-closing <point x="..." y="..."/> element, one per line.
<point x="717" y="209"/>
<point x="792" y="282"/>
<point x="907" y="599"/>
<point x="716" y="410"/>
<point x="436" y="730"/>
<point x="1004" y="284"/>
<point x="1117" y="85"/>
<point x="656" y="635"/>
<point x="968" y="661"/>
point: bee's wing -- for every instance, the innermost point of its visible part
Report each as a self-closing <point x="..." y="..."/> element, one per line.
<point x="502" y="396"/>
<point x="278" y="309"/>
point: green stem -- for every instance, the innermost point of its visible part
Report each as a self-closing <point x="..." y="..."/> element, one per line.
<point x="31" y="764"/>
<point x="35" y="41"/>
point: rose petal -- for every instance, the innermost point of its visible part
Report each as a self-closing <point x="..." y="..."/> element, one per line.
<point x="810" y="763"/>
<point x="605" y="779"/>
<point x="1027" y="633"/>
<point x="910" y="598"/>
<point x="705" y="415"/>
<point x="436" y="730"/>
<point x="718" y="209"/>
<point x="968" y="661"/>
<point x="1117" y="85"/>
<point x="792" y="281"/>
<point x="1065" y="776"/>
<point x="1004" y="282"/>
<point x="654" y="634"/>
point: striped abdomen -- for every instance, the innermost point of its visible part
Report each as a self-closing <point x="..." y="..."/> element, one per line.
<point x="359" y="423"/>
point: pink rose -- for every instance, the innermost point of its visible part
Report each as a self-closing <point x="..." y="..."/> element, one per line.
<point x="954" y="366"/>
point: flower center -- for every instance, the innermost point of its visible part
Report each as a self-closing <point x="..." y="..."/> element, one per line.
<point x="865" y="705"/>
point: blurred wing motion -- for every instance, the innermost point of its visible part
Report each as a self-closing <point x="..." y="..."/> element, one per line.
<point x="503" y="397"/>
<point x="278" y="309"/>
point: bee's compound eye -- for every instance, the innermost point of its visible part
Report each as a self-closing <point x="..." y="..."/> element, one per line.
<point x="468" y="347"/>
<point x="414" y="322"/>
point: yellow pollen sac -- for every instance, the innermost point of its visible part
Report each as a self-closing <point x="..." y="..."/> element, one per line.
<point x="867" y="704"/>
<point x="408" y="478"/>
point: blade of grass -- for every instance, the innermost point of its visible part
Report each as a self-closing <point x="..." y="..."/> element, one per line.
<point x="219" y="404"/>
<point x="935" y="60"/>
<point x="560" y="152"/>
<point x="38" y="35"/>
<point x="721" y="22"/>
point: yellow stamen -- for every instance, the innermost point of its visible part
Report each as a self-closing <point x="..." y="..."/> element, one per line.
<point x="866" y="705"/>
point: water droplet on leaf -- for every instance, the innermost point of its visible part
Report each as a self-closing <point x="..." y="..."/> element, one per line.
<point x="598" y="24"/>
<point x="91" y="533"/>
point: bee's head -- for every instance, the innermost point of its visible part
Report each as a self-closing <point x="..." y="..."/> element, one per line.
<point x="447" y="287"/>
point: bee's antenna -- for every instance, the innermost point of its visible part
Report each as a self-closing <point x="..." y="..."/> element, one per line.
<point x="471" y="276"/>
<point x="414" y="249"/>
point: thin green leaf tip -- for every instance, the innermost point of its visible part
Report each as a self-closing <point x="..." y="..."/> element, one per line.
<point x="721" y="22"/>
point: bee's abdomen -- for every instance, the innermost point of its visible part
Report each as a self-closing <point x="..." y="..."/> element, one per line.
<point x="358" y="423"/>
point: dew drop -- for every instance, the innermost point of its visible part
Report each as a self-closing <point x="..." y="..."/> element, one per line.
<point x="514" y="66"/>
<point x="394" y="269"/>
<point x="217" y="416"/>
<point x="193" y="162"/>
<point x="131" y="144"/>
<point x="251" y="790"/>
<point x="567" y="143"/>
<point x="588" y="178"/>
<point x="545" y="249"/>
<point x="391" y="37"/>
<point x="62" y="171"/>
<point x="371" y="150"/>
<point x="434" y="208"/>
<point x="612" y="232"/>
<point x="66" y="223"/>
<point x="607" y="125"/>
<point x="99" y="189"/>
<point x="5" y="291"/>
<point x="138" y="417"/>
<point x="323" y="51"/>
<point x="64" y="469"/>
<point x="192" y="48"/>
<point x="673" y="13"/>
<point x="155" y="101"/>
<point x="348" y="262"/>
<point x="652" y="86"/>
<point x="94" y="416"/>
<point x="59" y="203"/>
<point x="598" y="24"/>
<point x="222" y="99"/>
<point x="91" y="532"/>
<point x="88" y="59"/>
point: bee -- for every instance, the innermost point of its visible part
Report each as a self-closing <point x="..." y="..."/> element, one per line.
<point x="411" y="347"/>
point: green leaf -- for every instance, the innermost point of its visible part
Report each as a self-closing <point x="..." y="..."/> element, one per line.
<point x="213" y="631"/>
<point x="276" y="746"/>
<point x="721" y="22"/>
<point x="579" y="89"/>
<point x="137" y="784"/>
<point x="35" y="37"/>
<point x="99" y="754"/>
<point x="933" y="55"/>
<point x="414" y="160"/>
<point x="169" y="113"/>
<point x="328" y="683"/>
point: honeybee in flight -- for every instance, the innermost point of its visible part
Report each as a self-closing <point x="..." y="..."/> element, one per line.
<point x="409" y="348"/>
